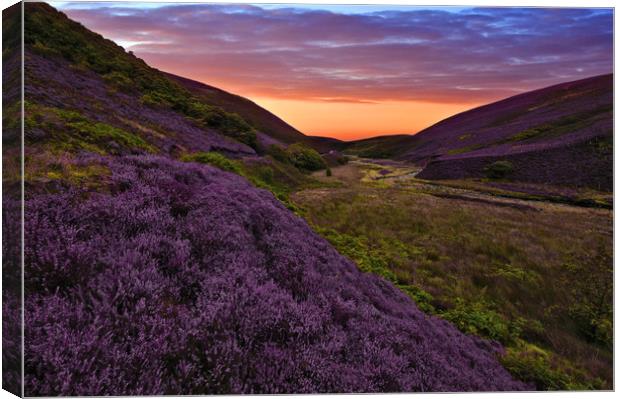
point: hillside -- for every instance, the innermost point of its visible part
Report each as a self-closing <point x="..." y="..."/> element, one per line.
<point x="171" y="113"/>
<point x="157" y="274"/>
<point x="558" y="135"/>
<point x="181" y="268"/>
<point x="380" y="147"/>
<point x="273" y="129"/>
<point x="259" y="117"/>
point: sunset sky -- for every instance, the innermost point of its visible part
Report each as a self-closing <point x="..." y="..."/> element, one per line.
<point x="359" y="71"/>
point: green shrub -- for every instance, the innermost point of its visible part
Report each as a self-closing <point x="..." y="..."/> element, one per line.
<point x="359" y="251"/>
<point x="154" y="100"/>
<point x="530" y="363"/>
<point x="328" y="172"/>
<point x="232" y="125"/>
<point x="591" y="295"/>
<point x="215" y="159"/>
<point x="119" y="80"/>
<point x="478" y="319"/>
<point x="423" y="299"/>
<point x="532" y="132"/>
<point x="499" y="170"/>
<point x="278" y="153"/>
<point x="102" y="133"/>
<point x="305" y="158"/>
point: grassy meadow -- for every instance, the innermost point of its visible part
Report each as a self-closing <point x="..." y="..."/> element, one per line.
<point x="532" y="274"/>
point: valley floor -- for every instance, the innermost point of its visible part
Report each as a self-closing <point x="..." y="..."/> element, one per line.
<point x="530" y="267"/>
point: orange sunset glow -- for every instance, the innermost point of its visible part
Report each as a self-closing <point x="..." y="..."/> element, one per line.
<point x="350" y="121"/>
<point x="353" y="72"/>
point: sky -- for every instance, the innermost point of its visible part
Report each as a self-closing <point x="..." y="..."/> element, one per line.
<point x="360" y="71"/>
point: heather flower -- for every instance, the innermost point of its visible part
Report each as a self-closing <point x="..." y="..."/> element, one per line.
<point x="179" y="278"/>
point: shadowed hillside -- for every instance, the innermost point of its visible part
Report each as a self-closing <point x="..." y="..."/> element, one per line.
<point x="275" y="130"/>
<point x="264" y="120"/>
<point x="558" y="135"/>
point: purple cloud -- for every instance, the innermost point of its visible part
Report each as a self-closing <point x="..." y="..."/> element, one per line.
<point x="427" y="55"/>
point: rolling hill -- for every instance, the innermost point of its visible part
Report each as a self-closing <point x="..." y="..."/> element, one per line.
<point x="560" y="135"/>
<point x="149" y="273"/>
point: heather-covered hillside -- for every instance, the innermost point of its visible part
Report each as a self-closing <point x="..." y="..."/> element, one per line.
<point x="148" y="272"/>
<point x="559" y="135"/>
<point x="183" y="279"/>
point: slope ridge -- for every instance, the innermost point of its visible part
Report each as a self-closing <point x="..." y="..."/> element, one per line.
<point x="492" y="123"/>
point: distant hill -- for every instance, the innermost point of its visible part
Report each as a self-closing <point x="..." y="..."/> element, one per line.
<point x="259" y="117"/>
<point x="559" y="135"/>
<point x="381" y="146"/>
<point x="275" y="129"/>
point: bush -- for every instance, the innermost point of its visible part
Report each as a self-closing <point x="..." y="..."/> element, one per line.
<point x="305" y="158"/>
<point x="229" y="124"/>
<point x="591" y="294"/>
<point x="423" y="299"/>
<point x="119" y="80"/>
<point x="359" y="250"/>
<point x="328" y="172"/>
<point x="477" y="318"/>
<point x="278" y="153"/>
<point x="499" y="170"/>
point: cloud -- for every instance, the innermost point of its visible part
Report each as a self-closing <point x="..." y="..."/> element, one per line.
<point x="472" y="55"/>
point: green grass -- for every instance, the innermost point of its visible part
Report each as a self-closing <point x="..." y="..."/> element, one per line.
<point x="214" y="158"/>
<point x="69" y="131"/>
<point x="463" y="150"/>
<point x="492" y="271"/>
